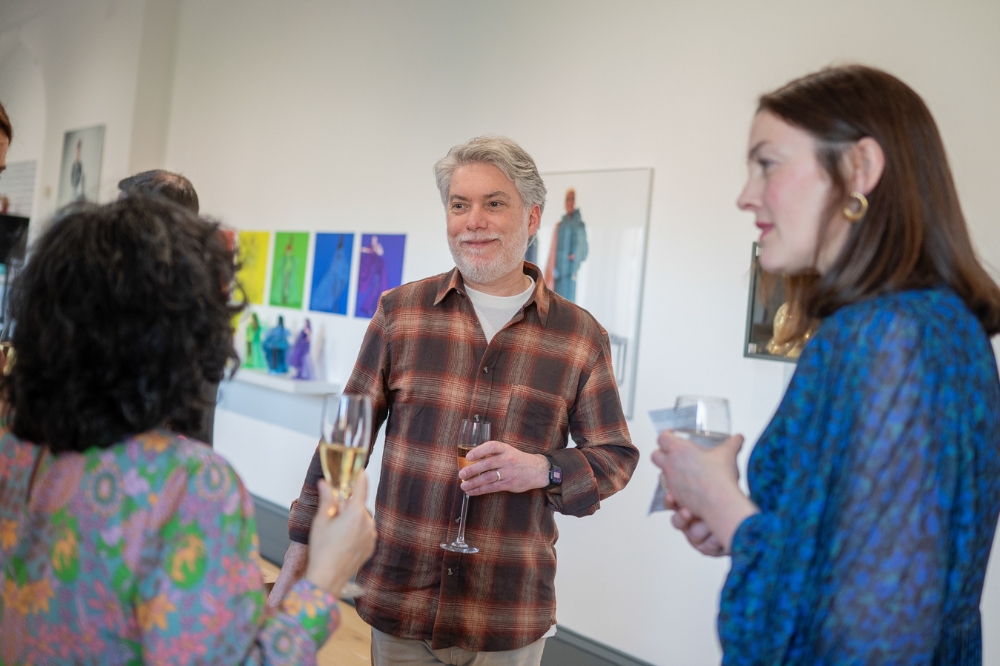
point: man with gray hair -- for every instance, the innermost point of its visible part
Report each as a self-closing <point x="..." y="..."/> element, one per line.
<point x="487" y="341"/>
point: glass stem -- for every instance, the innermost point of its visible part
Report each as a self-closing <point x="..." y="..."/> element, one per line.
<point x="461" y="523"/>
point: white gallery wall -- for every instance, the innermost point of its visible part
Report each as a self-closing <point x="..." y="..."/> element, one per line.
<point x="328" y="116"/>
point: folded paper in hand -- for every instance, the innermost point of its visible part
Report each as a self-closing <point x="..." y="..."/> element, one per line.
<point x="671" y="418"/>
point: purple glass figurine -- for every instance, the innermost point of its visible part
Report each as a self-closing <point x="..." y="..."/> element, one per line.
<point x="300" y="358"/>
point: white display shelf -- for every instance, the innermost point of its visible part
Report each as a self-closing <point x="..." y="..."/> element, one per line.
<point x="285" y="383"/>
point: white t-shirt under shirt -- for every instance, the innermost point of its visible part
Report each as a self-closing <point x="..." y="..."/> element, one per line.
<point x="495" y="311"/>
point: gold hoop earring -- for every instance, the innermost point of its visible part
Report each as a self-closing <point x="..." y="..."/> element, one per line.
<point x="856" y="215"/>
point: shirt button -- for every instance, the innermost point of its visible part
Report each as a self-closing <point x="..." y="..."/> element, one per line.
<point x="449" y="572"/>
<point x="486" y="371"/>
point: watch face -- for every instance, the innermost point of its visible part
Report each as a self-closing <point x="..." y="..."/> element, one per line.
<point x="555" y="475"/>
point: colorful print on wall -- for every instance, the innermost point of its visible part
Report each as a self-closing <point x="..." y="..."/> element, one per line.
<point x="253" y="257"/>
<point x="331" y="273"/>
<point x="288" y="271"/>
<point x="380" y="269"/>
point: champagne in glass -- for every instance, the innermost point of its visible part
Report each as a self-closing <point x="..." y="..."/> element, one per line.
<point x="463" y="451"/>
<point x="341" y="466"/>
<point x="345" y="438"/>
<point x="474" y="432"/>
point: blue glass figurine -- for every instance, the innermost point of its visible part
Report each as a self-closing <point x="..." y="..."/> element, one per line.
<point x="276" y="348"/>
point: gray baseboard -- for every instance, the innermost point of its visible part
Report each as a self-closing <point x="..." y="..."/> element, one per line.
<point x="566" y="648"/>
<point x="272" y="529"/>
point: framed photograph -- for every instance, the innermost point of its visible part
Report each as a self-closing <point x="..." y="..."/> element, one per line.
<point x="80" y="173"/>
<point x="591" y="248"/>
<point x="765" y="310"/>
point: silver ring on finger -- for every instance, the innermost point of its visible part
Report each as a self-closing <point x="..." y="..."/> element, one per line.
<point x="498" y="475"/>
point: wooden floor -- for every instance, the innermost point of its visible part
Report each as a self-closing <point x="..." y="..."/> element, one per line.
<point x="350" y="645"/>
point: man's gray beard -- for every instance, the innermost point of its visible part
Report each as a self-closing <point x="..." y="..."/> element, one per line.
<point x="509" y="258"/>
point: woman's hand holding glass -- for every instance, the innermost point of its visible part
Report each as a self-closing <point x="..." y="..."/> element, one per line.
<point x="339" y="545"/>
<point x="704" y="490"/>
<point x="345" y="439"/>
<point x="697" y="532"/>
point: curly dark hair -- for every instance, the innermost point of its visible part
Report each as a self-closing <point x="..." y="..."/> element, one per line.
<point x="123" y="313"/>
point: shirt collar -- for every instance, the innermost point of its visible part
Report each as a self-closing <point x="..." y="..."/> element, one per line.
<point x="452" y="281"/>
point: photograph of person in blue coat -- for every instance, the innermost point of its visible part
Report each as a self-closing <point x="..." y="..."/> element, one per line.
<point x="569" y="249"/>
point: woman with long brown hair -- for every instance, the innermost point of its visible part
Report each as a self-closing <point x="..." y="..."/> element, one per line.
<point x="875" y="489"/>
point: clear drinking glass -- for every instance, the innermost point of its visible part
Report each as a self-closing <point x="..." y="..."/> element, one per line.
<point x="474" y="433"/>
<point x="345" y="438"/>
<point x="711" y="421"/>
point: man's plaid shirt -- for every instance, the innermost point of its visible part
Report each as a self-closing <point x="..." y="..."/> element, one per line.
<point x="426" y="365"/>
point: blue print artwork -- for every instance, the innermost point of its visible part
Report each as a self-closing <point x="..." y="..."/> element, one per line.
<point x="331" y="273"/>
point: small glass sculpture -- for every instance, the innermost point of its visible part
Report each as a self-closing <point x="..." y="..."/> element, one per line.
<point x="276" y="348"/>
<point x="255" y="353"/>
<point x="300" y="358"/>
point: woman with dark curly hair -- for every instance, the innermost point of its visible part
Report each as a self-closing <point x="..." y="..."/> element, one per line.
<point x="875" y="489"/>
<point x="120" y="540"/>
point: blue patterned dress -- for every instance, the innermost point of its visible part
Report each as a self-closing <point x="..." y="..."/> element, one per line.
<point x="878" y="481"/>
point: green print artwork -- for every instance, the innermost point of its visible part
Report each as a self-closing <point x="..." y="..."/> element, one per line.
<point x="288" y="272"/>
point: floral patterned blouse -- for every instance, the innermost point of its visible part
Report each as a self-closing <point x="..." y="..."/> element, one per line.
<point x="144" y="552"/>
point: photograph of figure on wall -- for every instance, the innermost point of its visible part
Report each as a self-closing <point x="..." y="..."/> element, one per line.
<point x="253" y="251"/>
<point x="288" y="270"/>
<point x="568" y="250"/>
<point x="380" y="268"/>
<point x="331" y="276"/>
<point x="80" y="173"/>
<point x="591" y="248"/>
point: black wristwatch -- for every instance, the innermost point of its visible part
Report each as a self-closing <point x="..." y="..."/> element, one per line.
<point x="555" y="473"/>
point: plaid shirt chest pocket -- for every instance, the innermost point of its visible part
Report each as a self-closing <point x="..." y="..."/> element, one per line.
<point x="535" y="421"/>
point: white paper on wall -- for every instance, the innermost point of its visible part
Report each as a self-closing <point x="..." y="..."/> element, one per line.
<point x="17" y="184"/>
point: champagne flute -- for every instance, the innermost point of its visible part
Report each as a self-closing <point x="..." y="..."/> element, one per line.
<point x="711" y="419"/>
<point x="345" y="439"/>
<point x="474" y="432"/>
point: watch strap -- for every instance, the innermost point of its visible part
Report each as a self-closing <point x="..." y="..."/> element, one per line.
<point x="555" y="473"/>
